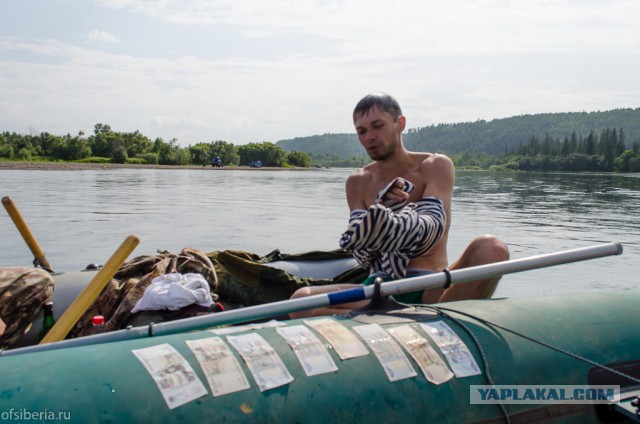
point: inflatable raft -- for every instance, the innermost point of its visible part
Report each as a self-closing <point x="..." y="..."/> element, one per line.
<point x="384" y="364"/>
<point x="454" y="362"/>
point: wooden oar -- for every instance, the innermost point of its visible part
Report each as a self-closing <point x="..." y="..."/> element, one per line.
<point x="294" y="305"/>
<point x="40" y="258"/>
<point x="86" y="297"/>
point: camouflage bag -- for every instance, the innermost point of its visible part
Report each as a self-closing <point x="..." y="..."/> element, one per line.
<point x="127" y="286"/>
<point x="23" y="292"/>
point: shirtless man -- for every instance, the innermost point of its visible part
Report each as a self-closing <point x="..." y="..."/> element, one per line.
<point x="379" y="124"/>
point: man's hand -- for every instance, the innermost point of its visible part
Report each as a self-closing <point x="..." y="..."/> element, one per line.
<point x="2" y="327"/>
<point x="395" y="193"/>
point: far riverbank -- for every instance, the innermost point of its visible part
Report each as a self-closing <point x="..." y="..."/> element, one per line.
<point x="74" y="166"/>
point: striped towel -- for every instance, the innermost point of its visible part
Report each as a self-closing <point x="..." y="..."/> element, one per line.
<point x="385" y="237"/>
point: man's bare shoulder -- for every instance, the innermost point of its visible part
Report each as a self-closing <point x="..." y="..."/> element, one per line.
<point x="436" y="162"/>
<point x="430" y="157"/>
<point x="439" y="173"/>
<point x="361" y="174"/>
<point x="356" y="187"/>
<point x="358" y="180"/>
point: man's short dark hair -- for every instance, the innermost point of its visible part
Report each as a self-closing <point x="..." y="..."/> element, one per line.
<point x="384" y="101"/>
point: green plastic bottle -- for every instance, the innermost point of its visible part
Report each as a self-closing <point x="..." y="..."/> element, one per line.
<point x="48" y="321"/>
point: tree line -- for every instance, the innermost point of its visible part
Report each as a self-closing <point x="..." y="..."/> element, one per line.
<point x="603" y="152"/>
<point x="106" y="145"/>
<point x="607" y="151"/>
<point x="500" y="135"/>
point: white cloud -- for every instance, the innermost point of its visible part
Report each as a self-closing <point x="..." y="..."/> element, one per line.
<point x="101" y="36"/>
<point x="417" y="26"/>
<point x="445" y="60"/>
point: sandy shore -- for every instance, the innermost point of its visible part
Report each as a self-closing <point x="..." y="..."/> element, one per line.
<point x="72" y="166"/>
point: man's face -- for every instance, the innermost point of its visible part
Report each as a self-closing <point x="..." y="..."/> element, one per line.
<point x="378" y="133"/>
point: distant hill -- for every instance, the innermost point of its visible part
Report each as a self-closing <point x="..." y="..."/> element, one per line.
<point x="492" y="137"/>
<point x="345" y="145"/>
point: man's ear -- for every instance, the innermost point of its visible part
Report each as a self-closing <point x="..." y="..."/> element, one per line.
<point x="402" y="122"/>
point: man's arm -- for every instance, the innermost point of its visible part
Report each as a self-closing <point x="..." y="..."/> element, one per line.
<point x="354" y="190"/>
<point x="439" y="174"/>
<point x="386" y="240"/>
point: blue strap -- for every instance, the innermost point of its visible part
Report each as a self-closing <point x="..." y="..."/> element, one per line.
<point x="346" y="296"/>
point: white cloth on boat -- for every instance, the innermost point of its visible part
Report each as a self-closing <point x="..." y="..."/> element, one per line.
<point x="386" y="236"/>
<point x="174" y="291"/>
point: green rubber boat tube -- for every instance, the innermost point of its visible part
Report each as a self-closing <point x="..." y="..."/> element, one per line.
<point x="268" y="374"/>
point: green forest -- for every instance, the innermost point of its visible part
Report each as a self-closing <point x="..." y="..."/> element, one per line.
<point x="108" y="146"/>
<point x="606" y="152"/>
<point x="574" y="141"/>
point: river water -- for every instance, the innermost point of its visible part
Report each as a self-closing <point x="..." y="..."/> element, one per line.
<point x="81" y="217"/>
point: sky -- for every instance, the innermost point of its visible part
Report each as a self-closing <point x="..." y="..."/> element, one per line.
<point x="265" y="70"/>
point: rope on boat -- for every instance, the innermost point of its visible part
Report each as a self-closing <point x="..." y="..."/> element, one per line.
<point x="485" y="362"/>
<point x="440" y="310"/>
